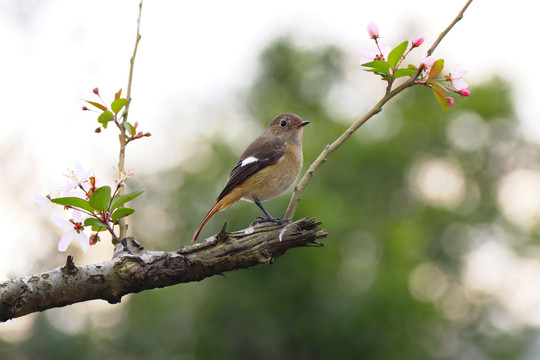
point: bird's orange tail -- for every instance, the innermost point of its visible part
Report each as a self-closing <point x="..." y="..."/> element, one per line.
<point x="222" y="204"/>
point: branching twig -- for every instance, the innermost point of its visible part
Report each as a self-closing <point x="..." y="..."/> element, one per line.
<point x="133" y="268"/>
<point x="295" y="198"/>
<point x="121" y="158"/>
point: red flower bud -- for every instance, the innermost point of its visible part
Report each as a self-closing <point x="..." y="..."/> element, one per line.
<point x="94" y="238"/>
<point x="95" y="91"/>
<point x="464" y="92"/>
<point x="84" y="108"/>
<point x="450" y="101"/>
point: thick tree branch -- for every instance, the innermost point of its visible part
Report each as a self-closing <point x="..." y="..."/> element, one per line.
<point x="134" y="269"/>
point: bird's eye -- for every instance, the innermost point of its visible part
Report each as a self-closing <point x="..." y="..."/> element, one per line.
<point x="282" y="123"/>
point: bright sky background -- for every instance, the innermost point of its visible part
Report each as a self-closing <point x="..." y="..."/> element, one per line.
<point x="193" y="54"/>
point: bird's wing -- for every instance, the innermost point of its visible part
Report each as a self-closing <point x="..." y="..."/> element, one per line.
<point x="259" y="154"/>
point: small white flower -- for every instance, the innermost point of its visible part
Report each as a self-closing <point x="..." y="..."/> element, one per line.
<point x="41" y="199"/>
<point x="77" y="177"/>
<point x="76" y="231"/>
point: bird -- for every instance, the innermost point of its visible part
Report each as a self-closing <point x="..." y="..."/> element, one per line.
<point x="268" y="167"/>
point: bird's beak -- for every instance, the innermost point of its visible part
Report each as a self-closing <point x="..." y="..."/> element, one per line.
<point x="303" y="123"/>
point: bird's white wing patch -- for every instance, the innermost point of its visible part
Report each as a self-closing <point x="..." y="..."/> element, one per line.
<point x="249" y="160"/>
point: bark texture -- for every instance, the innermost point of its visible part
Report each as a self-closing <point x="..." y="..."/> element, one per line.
<point x="133" y="268"/>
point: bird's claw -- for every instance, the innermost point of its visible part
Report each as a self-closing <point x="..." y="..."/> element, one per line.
<point x="261" y="220"/>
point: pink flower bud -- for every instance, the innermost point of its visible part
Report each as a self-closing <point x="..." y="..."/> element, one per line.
<point x="84" y="108"/>
<point x="464" y="92"/>
<point x="95" y="91"/>
<point x="419" y="40"/>
<point x="450" y="100"/>
<point x="373" y="30"/>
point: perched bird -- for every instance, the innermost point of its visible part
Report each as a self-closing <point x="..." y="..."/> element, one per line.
<point x="268" y="167"/>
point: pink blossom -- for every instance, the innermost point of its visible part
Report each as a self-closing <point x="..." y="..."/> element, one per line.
<point x="373" y="30"/>
<point x="464" y="92"/>
<point x="370" y="54"/>
<point x="428" y="61"/>
<point x="76" y="231"/>
<point x="450" y="100"/>
<point x="419" y="40"/>
<point x="456" y="77"/>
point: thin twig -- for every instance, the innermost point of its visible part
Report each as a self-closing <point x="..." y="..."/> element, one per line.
<point x="447" y="30"/>
<point x="121" y="158"/>
<point x="295" y="198"/>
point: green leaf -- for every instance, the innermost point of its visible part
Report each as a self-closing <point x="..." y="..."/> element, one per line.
<point x="117" y="95"/>
<point x="441" y="97"/>
<point x="436" y="68"/>
<point x="118" y="104"/>
<point x="397" y="54"/>
<point x="120" y="200"/>
<point x="130" y="129"/>
<point x="74" y="202"/>
<point x="122" y="212"/>
<point x="436" y="84"/>
<point x="92" y="222"/>
<point x="98" y="228"/>
<point x="105" y="117"/>
<point x="404" y="72"/>
<point x="96" y="104"/>
<point x="378" y="66"/>
<point x="100" y="198"/>
<point x="123" y="113"/>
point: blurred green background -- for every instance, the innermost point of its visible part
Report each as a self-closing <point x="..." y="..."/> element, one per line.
<point x="406" y="202"/>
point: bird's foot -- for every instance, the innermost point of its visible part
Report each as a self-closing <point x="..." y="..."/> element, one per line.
<point x="261" y="220"/>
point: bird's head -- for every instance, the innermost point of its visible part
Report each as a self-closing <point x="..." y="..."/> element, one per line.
<point x="288" y="126"/>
